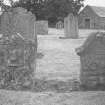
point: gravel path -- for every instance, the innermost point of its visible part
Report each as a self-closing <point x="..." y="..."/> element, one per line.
<point x="60" y="60"/>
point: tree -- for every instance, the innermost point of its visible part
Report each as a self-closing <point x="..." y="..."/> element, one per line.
<point x="52" y="10"/>
<point x="5" y="7"/>
<point x="35" y="6"/>
<point x="56" y="9"/>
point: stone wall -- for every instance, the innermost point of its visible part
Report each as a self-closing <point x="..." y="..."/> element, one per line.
<point x="92" y="57"/>
<point x="42" y="27"/>
<point x="71" y="26"/>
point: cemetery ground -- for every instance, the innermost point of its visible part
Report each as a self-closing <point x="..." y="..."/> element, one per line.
<point x="57" y="68"/>
<point x="59" y="60"/>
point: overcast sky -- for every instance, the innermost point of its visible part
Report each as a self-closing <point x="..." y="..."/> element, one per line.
<point x="95" y="2"/>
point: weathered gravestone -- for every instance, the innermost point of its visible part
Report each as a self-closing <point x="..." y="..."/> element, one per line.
<point x="6" y="23"/>
<point x="71" y="26"/>
<point x="42" y="27"/>
<point x="92" y="57"/>
<point x="24" y="23"/>
<point x="18" y="49"/>
<point x="18" y="21"/>
<point x="59" y="25"/>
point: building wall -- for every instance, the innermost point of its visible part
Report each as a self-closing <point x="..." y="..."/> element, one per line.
<point x="96" y="22"/>
<point x="102" y="23"/>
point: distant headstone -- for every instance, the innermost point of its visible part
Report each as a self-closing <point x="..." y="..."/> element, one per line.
<point x="18" y="49"/>
<point x="42" y="27"/>
<point x="71" y="26"/>
<point x="59" y="25"/>
<point x="92" y="57"/>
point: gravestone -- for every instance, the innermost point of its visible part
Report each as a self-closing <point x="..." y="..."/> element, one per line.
<point x="42" y="27"/>
<point x="71" y="26"/>
<point x="59" y="25"/>
<point x="92" y="57"/>
<point x="18" y="21"/>
<point x="24" y="23"/>
<point x="18" y="49"/>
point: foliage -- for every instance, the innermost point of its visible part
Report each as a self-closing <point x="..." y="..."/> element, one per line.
<point x="35" y="6"/>
<point x="49" y="8"/>
<point x="3" y="6"/>
<point x="52" y="10"/>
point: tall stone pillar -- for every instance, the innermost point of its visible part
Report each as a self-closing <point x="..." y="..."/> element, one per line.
<point x="19" y="26"/>
<point x="71" y="26"/>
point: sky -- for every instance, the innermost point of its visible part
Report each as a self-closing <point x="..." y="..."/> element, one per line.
<point x="95" y="2"/>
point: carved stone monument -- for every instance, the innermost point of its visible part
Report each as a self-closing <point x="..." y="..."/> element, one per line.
<point x="71" y="26"/>
<point x="92" y="57"/>
<point x="18" y="49"/>
<point x="6" y="23"/>
<point x="59" y="25"/>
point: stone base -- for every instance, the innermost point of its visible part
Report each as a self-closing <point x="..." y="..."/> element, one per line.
<point x="68" y="37"/>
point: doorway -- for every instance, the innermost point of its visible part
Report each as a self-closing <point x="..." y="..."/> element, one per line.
<point x="87" y="23"/>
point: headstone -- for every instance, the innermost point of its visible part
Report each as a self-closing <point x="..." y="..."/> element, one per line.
<point x="24" y="23"/>
<point x="18" y="48"/>
<point x="42" y="27"/>
<point x="92" y="57"/>
<point x="18" y="21"/>
<point x="71" y="26"/>
<point x="59" y="25"/>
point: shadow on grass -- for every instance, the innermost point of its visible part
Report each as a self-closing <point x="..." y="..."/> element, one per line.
<point x="40" y="55"/>
<point x="41" y="85"/>
<point x="97" y="87"/>
<point x="56" y="86"/>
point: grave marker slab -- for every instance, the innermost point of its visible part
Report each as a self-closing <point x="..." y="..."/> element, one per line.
<point x="71" y="26"/>
<point x="92" y="57"/>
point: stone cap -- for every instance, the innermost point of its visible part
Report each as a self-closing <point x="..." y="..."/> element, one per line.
<point x="91" y="38"/>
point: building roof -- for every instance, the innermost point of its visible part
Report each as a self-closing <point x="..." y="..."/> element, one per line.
<point x="100" y="11"/>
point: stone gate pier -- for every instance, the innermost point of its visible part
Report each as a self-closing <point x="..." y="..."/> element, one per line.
<point x="92" y="58"/>
<point x="71" y="26"/>
<point x="18" y="49"/>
